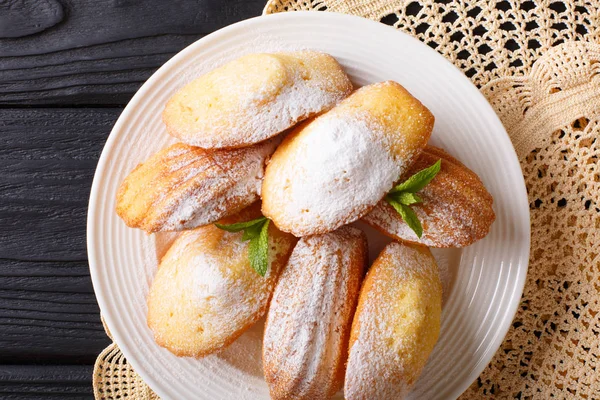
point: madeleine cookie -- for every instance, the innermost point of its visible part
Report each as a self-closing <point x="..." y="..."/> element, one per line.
<point x="335" y="169"/>
<point x="396" y="325"/>
<point x="456" y="210"/>
<point x="205" y="293"/>
<point x="183" y="187"/>
<point x="308" y="325"/>
<point x="254" y="98"/>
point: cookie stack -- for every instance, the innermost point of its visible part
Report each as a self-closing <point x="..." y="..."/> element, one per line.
<point x="281" y="147"/>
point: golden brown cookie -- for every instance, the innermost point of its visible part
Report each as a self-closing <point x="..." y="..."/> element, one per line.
<point x="205" y="293"/>
<point x="308" y="325"/>
<point x="456" y="210"/>
<point x="335" y="169"/>
<point x="183" y="187"/>
<point x="396" y="325"/>
<point x="254" y="98"/>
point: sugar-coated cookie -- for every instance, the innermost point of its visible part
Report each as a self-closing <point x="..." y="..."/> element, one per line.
<point x="456" y="210"/>
<point x="205" y="293"/>
<point x="305" y="346"/>
<point x="254" y="98"/>
<point x="183" y="187"/>
<point x="396" y="325"/>
<point x="335" y="169"/>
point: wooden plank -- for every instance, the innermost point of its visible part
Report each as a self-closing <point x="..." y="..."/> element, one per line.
<point x="20" y="18"/>
<point x="27" y="382"/>
<point x="48" y="310"/>
<point x="47" y="159"/>
<point x="63" y="53"/>
<point x="101" y="50"/>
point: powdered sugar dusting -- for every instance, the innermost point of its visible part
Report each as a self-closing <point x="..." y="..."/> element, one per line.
<point x="436" y="220"/>
<point x="234" y="185"/>
<point x="456" y="209"/>
<point x="340" y="169"/>
<point x="448" y="261"/>
<point x="225" y="108"/>
<point x="386" y="357"/>
<point x="308" y="324"/>
<point x="205" y="292"/>
<point x="304" y="97"/>
<point x="182" y="187"/>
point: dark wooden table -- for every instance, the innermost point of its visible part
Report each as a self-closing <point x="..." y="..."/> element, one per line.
<point x="67" y="69"/>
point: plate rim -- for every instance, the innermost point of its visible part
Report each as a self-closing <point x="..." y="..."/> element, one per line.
<point x="94" y="207"/>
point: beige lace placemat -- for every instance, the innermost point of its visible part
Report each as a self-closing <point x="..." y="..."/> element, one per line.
<point x="538" y="63"/>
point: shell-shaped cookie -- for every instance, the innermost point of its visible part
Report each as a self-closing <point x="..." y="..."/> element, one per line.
<point x="205" y="293"/>
<point x="456" y="210"/>
<point x="254" y="98"/>
<point x="308" y="325"/>
<point x="183" y="187"/>
<point x="396" y="325"/>
<point x="336" y="168"/>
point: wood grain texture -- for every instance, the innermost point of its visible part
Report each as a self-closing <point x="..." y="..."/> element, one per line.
<point x="23" y="17"/>
<point x="69" y="54"/>
<point x="54" y="382"/>
<point x="48" y="158"/>
<point x="103" y="50"/>
<point x="48" y="311"/>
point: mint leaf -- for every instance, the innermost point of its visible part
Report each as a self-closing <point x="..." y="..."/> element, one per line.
<point x="252" y="231"/>
<point x="404" y="195"/>
<point x="408" y="215"/>
<point x="406" y="198"/>
<point x="419" y="180"/>
<point x="257" y="232"/>
<point x="258" y="250"/>
<point x="241" y="225"/>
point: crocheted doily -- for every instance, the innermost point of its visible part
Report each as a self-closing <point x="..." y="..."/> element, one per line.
<point x="553" y="118"/>
<point x="485" y="39"/>
<point x="539" y="66"/>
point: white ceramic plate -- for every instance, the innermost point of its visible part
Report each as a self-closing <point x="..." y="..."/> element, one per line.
<point x="483" y="282"/>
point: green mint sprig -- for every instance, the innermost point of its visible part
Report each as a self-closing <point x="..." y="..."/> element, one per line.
<point x="403" y="195"/>
<point x="257" y="232"/>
